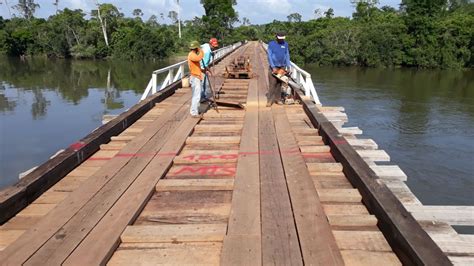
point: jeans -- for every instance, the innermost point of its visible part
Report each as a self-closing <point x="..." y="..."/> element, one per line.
<point x="206" y="91"/>
<point x="274" y="88"/>
<point x="196" y="92"/>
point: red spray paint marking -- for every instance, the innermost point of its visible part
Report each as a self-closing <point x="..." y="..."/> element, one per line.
<point x="206" y="157"/>
<point x="341" y="141"/>
<point x="77" y="146"/>
<point x="206" y="170"/>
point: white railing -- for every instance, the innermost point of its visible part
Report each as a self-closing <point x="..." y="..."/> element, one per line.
<point x="304" y="79"/>
<point x="152" y="86"/>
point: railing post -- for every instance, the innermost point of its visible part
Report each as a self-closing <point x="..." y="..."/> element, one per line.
<point x="154" y="81"/>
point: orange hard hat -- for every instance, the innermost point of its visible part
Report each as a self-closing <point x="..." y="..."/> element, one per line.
<point x="213" y="42"/>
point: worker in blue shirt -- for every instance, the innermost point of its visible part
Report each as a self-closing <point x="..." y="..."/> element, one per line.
<point x="279" y="60"/>
<point x="207" y="48"/>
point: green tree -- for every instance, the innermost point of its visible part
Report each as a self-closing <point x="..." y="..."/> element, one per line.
<point x="219" y="17"/>
<point x="138" y="13"/>
<point x="365" y="9"/>
<point x="329" y="13"/>
<point x="173" y="16"/>
<point x="294" y="17"/>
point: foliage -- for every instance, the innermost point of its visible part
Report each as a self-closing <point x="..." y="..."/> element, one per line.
<point x="426" y="34"/>
<point x="219" y="17"/>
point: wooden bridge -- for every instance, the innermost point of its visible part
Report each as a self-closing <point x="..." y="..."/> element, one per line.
<point x="286" y="185"/>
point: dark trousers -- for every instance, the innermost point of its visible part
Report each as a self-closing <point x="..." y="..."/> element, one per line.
<point x="274" y="88"/>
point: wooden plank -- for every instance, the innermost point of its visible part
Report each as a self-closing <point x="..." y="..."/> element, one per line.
<point x="339" y="195"/>
<point x="374" y="155"/>
<point x="29" y="243"/>
<point x="186" y="214"/>
<point x="205" y="158"/>
<point x="241" y="250"/>
<point x="411" y="243"/>
<point x="350" y="131"/>
<point x="174" y="233"/>
<point x="361" y="240"/>
<point x="9" y="236"/>
<point x="168" y="254"/>
<point x="318" y="245"/>
<point x="36" y="210"/>
<point x="363" y="144"/>
<point x="454" y="215"/>
<point x="20" y="222"/>
<point x="83" y="171"/>
<point x="221" y="128"/>
<point x="242" y="243"/>
<point x="363" y="258"/>
<point x="389" y="172"/>
<point x="51" y="197"/>
<point x="339" y="209"/>
<point x="214" y="140"/>
<point x="462" y="260"/>
<point x="195" y="184"/>
<point x="315" y="149"/>
<point x="324" y="167"/>
<point x="279" y="238"/>
<point x="352" y="220"/>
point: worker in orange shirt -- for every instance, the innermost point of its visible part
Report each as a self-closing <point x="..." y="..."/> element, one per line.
<point x="196" y="76"/>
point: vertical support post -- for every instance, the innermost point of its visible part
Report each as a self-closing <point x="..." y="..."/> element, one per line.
<point x="154" y="81"/>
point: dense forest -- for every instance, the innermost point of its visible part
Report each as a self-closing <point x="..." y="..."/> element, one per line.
<point x="420" y="33"/>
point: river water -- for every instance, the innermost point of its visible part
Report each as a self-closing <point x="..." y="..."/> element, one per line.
<point x="46" y="105"/>
<point x="424" y="119"/>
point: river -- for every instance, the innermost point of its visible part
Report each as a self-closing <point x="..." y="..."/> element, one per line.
<point x="424" y="119"/>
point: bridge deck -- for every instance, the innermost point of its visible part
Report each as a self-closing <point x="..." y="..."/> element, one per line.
<point x="253" y="186"/>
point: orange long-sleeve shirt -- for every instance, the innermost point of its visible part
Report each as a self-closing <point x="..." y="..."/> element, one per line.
<point x="194" y="63"/>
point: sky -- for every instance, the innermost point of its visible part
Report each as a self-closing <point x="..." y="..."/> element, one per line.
<point x="258" y="11"/>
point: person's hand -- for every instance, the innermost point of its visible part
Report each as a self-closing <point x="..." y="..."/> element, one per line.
<point x="275" y="70"/>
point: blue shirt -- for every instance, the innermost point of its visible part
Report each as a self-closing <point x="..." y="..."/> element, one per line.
<point x="278" y="54"/>
<point x="206" y="48"/>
